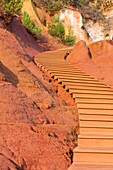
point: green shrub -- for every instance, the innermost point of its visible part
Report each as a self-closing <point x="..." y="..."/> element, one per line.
<point x="69" y="40"/>
<point x="56" y="29"/>
<point x="89" y="10"/>
<point x="30" y="25"/>
<point x="52" y="6"/>
<point x="10" y="8"/>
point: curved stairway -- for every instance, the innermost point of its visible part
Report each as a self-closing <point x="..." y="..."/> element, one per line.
<point x="95" y="107"/>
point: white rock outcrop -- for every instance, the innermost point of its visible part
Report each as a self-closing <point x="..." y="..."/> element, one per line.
<point x="95" y="30"/>
<point x="73" y="24"/>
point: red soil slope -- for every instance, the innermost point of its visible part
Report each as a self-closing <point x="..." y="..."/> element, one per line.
<point x="35" y="124"/>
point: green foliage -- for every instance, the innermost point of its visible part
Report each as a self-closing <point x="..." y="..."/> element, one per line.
<point x="69" y="40"/>
<point x="30" y="25"/>
<point x="52" y="6"/>
<point x="89" y="10"/>
<point x="10" y="8"/>
<point x="96" y="5"/>
<point x="56" y="29"/>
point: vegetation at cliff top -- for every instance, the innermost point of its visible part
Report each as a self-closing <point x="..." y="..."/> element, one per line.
<point x="10" y="8"/>
<point x="30" y="25"/>
<point x="56" y="28"/>
<point x="52" y="6"/>
<point x="90" y="9"/>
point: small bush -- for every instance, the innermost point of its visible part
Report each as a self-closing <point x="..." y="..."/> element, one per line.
<point x="52" y="6"/>
<point x="89" y="10"/>
<point x="56" y="29"/>
<point x="30" y="25"/>
<point x="10" y="8"/>
<point x="69" y="40"/>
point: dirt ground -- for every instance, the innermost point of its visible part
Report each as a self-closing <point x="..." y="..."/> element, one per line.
<point x="37" y="127"/>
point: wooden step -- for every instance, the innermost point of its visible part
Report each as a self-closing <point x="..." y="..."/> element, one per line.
<point x="96" y="116"/>
<point x="89" y="122"/>
<point x="93" y="100"/>
<point x="90" y="91"/>
<point x="87" y="166"/>
<point x="63" y="69"/>
<point x="75" y="80"/>
<point x="95" y="107"/>
<point x="73" y="72"/>
<point x="56" y="64"/>
<point x="94" y="155"/>
<point x="68" y="75"/>
<point x="50" y="68"/>
<point x="51" y="59"/>
<point x="100" y="130"/>
<point x="89" y="140"/>
<point x="54" y="68"/>
<point x="84" y="105"/>
<point x="84" y="84"/>
<point x="92" y="95"/>
<point x="79" y="87"/>
<point x="95" y="111"/>
<point x="51" y="54"/>
<point x="46" y="54"/>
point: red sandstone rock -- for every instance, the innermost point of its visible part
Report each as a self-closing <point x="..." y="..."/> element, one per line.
<point x="34" y="125"/>
<point x="102" y="52"/>
<point x="96" y="60"/>
<point x="80" y="53"/>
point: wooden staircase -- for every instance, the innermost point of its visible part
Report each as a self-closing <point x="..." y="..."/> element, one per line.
<point x="94" y="102"/>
